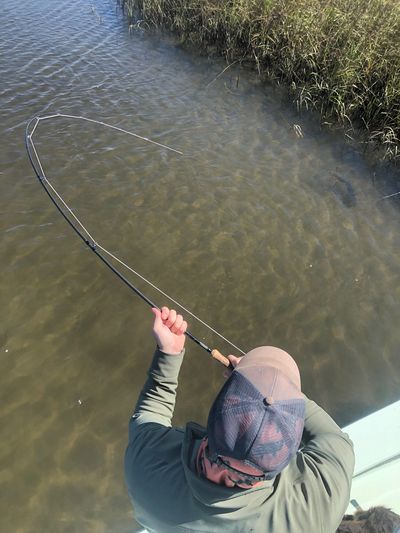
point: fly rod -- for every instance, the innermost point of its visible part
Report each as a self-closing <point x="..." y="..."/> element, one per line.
<point x="87" y="238"/>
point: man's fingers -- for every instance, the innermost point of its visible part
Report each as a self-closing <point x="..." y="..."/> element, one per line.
<point x="171" y="318"/>
<point x="234" y="360"/>
<point x="177" y="324"/>
<point x="182" y="329"/>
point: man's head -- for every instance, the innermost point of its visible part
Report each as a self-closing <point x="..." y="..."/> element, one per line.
<point x="257" y="419"/>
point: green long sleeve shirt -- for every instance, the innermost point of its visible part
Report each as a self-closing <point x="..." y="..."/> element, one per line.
<point x="310" y="495"/>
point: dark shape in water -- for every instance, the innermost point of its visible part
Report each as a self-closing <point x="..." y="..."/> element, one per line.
<point x="344" y="190"/>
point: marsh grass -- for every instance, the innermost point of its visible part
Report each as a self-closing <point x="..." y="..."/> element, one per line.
<point x="338" y="56"/>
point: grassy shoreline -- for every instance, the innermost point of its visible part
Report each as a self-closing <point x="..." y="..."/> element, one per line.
<point x="341" y="57"/>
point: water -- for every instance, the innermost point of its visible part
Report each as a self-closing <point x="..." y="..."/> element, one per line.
<point x="270" y="237"/>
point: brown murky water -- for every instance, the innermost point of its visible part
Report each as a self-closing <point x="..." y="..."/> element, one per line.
<point x="269" y="237"/>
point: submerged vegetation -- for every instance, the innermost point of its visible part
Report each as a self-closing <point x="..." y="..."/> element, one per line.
<point x="338" y="56"/>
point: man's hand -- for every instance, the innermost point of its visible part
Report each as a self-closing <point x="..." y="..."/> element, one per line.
<point x="234" y="361"/>
<point x="169" y="330"/>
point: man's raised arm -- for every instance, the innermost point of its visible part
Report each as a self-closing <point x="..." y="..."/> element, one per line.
<point x="156" y="401"/>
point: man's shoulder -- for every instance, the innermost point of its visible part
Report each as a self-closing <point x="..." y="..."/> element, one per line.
<point x="145" y="436"/>
<point x="148" y="438"/>
<point x="315" y="486"/>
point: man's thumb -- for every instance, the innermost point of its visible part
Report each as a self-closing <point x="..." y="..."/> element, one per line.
<point x="157" y="316"/>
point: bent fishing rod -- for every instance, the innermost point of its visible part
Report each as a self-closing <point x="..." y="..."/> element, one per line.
<point x="74" y="222"/>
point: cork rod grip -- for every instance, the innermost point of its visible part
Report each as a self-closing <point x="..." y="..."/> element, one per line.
<point x="221" y="358"/>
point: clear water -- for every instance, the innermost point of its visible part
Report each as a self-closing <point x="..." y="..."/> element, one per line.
<point x="269" y="237"/>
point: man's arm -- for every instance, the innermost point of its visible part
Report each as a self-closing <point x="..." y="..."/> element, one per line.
<point x="323" y="437"/>
<point x="156" y="402"/>
<point x="328" y="457"/>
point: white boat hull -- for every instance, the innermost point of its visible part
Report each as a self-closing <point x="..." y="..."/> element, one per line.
<point x="376" y="477"/>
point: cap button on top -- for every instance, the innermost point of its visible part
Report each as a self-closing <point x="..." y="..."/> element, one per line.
<point x="268" y="400"/>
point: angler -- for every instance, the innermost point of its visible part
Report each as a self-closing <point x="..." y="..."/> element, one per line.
<point x="269" y="460"/>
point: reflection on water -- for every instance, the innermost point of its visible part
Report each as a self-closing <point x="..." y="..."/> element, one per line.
<point x="270" y="237"/>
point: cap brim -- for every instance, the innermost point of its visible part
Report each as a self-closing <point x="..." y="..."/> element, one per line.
<point x="270" y="356"/>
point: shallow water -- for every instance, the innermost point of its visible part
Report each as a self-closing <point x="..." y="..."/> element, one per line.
<point x="270" y="237"/>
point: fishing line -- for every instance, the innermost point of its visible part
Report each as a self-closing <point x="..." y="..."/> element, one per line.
<point x="89" y="240"/>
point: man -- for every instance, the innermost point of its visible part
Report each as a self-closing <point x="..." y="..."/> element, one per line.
<point x="248" y="471"/>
